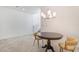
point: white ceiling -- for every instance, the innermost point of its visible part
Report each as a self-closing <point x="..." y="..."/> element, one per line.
<point x="26" y="9"/>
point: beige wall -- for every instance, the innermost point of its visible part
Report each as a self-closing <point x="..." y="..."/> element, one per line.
<point x="66" y="21"/>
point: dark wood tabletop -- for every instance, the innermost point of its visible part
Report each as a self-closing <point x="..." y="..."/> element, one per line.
<point x="50" y="35"/>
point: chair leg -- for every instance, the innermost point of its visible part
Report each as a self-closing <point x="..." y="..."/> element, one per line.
<point x="38" y="43"/>
<point x="34" y="42"/>
<point x="42" y="42"/>
<point x="61" y="49"/>
<point x="72" y="50"/>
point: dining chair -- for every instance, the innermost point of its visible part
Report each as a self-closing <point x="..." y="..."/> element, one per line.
<point x="36" y="38"/>
<point x="69" y="44"/>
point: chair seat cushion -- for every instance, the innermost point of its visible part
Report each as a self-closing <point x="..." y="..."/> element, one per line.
<point x="70" y="48"/>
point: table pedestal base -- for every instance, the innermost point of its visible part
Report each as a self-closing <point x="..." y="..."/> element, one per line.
<point x="48" y="46"/>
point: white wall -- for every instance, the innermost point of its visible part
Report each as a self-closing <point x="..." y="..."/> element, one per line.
<point x="36" y="22"/>
<point x="15" y="23"/>
<point x="66" y="21"/>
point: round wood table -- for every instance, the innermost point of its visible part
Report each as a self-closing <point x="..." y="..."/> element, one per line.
<point x="49" y="36"/>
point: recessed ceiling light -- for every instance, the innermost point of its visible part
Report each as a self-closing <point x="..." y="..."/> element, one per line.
<point x="17" y="6"/>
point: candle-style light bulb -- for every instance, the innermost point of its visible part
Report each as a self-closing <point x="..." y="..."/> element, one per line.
<point x="43" y="15"/>
<point x="49" y="14"/>
<point x="54" y="14"/>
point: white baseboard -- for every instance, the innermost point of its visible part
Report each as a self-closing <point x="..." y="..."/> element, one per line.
<point x="16" y="36"/>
